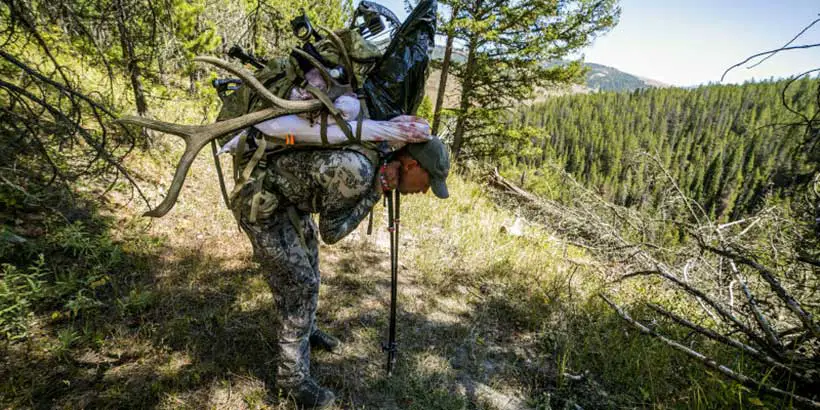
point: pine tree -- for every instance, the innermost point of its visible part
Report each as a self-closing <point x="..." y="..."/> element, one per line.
<point x="508" y="44"/>
<point x="716" y="141"/>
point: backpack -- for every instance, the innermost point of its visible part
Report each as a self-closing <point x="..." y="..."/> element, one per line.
<point x="387" y="84"/>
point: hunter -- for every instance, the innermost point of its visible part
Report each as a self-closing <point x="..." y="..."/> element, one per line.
<point x="281" y="179"/>
<point x="341" y="185"/>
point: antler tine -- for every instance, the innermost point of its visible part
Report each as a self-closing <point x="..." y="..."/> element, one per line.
<point x="197" y="136"/>
<point x="250" y="80"/>
<point x="343" y="51"/>
<point x="318" y="65"/>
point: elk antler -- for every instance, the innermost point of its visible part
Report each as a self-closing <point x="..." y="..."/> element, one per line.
<point x="345" y="57"/>
<point x="197" y="136"/>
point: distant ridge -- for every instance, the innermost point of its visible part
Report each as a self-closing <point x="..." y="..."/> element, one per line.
<point x="605" y="78"/>
<point x="599" y="77"/>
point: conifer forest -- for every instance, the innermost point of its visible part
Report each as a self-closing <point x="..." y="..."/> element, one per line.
<point x="727" y="146"/>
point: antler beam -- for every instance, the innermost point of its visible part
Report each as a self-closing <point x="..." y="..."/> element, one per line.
<point x="197" y="136"/>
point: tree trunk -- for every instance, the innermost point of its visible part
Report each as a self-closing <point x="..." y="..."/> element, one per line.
<point x="131" y="60"/>
<point x="466" y="85"/>
<point x="445" y="68"/>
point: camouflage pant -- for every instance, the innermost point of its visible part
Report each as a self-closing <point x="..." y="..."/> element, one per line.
<point x="292" y="272"/>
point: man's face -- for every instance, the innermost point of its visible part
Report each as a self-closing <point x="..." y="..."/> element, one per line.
<point x="414" y="178"/>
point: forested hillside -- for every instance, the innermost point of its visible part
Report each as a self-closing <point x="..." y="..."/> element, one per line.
<point x="728" y="146"/>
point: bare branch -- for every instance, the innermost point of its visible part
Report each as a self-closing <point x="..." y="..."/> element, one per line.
<point x="758" y="315"/>
<point x="785" y="45"/>
<point x="77" y="128"/>
<point x="777" y="50"/>
<point x="769" y="276"/>
<point x="711" y="363"/>
<point x="813" y="262"/>
<point x="715" y="305"/>
<point x="729" y="341"/>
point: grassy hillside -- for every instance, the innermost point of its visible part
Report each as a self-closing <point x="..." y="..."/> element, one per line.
<point x="183" y="319"/>
<point x="102" y="308"/>
<point x="604" y="78"/>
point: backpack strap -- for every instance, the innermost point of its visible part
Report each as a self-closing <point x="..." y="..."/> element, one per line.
<point x="324" y="98"/>
<point x="323" y="128"/>
<point x="362" y="114"/>
<point x="297" y="225"/>
<point x="337" y="115"/>
<point x="245" y="176"/>
<point x="262" y="202"/>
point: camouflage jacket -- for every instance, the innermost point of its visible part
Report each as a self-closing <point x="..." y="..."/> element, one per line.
<point x="338" y="184"/>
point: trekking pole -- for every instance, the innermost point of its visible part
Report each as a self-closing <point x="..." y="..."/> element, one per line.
<point x="393" y="227"/>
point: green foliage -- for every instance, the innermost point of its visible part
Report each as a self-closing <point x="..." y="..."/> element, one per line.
<point x="20" y="290"/>
<point x="508" y="46"/>
<point x="426" y="109"/>
<point x="267" y="28"/>
<point x="197" y="38"/>
<point x="67" y="278"/>
<point x="720" y="142"/>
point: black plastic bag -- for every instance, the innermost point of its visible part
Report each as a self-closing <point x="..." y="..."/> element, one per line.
<point x="396" y="85"/>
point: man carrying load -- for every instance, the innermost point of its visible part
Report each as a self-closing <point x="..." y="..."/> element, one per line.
<point x="327" y="130"/>
<point x="341" y="186"/>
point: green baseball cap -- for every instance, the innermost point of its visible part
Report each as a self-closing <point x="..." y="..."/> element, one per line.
<point x="435" y="159"/>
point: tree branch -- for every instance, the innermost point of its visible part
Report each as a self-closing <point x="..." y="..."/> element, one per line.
<point x="757" y="354"/>
<point x="769" y="276"/>
<point x="770" y="52"/>
<point x="711" y="363"/>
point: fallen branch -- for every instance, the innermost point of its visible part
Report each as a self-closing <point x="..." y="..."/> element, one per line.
<point x="757" y="354"/>
<point x="711" y="363"/>
<point x="697" y="293"/>
<point x="812" y="262"/>
<point x="769" y="276"/>
<point x="761" y="320"/>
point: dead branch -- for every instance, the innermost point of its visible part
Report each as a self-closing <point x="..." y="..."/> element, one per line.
<point x="813" y="262"/>
<point x="769" y="276"/>
<point x="700" y="301"/>
<point x="770" y="52"/>
<point x="726" y="315"/>
<point x="621" y="240"/>
<point x="86" y="136"/>
<point x="711" y="363"/>
<point x="757" y="354"/>
<point x="785" y="45"/>
<point x="762" y="322"/>
<point x="499" y="181"/>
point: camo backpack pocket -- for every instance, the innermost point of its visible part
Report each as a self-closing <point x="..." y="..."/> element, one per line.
<point x="255" y="204"/>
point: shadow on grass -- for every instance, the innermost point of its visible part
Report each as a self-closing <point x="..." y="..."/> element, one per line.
<point x="170" y="330"/>
<point x="182" y="331"/>
<point x="149" y="339"/>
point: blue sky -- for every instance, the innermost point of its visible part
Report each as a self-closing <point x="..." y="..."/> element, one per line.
<point x="689" y="42"/>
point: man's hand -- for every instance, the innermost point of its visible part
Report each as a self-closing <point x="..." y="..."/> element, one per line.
<point x="389" y="175"/>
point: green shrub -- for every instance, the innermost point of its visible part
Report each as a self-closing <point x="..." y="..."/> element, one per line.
<point x="71" y="269"/>
<point x="20" y="290"/>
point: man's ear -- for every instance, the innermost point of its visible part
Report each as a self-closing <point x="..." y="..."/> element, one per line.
<point x="409" y="163"/>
